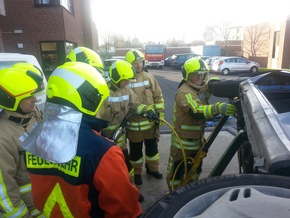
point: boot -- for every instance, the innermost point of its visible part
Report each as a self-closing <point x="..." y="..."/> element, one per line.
<point x="141" y="198"/>
<point x="156" y="175"/>
<point x="138" y="180"/>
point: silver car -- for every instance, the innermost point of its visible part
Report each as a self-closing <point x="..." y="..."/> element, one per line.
<point x="228" y="65"/>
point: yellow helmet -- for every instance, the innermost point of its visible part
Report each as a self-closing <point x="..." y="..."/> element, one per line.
<point x="77" y="85"/>
<point x="86" y="55"/>
<point x="194" y="65"/>
<point x="28" y="66"/>
<point x="121" y="70"/>
<point x="18" y="82"/>
<point x="134" y="55"/>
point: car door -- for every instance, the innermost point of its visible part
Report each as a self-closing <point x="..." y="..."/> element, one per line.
<point x="242" y="64"/>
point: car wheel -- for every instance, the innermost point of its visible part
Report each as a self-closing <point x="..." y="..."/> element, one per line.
<point x="241" y="195"/>
<point x="254" y="70"/>
<point x="225" y="71"/>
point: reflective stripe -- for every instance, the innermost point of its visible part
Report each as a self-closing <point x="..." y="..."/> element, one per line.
<point x="56" y="197"/>
<point x="139" y="84"/>
<point x="71" y="168"/>
<point x="191" y="128"/>
<point x="207" y="111"/>
<point x="160" y="106"/>
<point x="140" y="108"/>
<point x="37" y="213"/>
<point x="74" y="79"/>
<point x="187" y="145"/>
<point x="111" y="127"/>
<point x="118" y="99"/>
<point x="137" y="161"/>
<point x="6" y="204"/>
<point x="121" y="140"/>
<point x="175" y="183"/>
<point x="140" y="126"/>
<point x="156" y="157"/>
<point x="132" y="172"/>
<point x="25" y="188"/>
<point x="170" y="162"/>
<point x="191" y="102"/>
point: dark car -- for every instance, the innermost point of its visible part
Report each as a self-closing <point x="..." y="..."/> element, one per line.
<point x="168" y="61"/>
<point x="181" y="58"/>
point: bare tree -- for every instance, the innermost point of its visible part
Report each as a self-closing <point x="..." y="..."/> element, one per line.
<point x="220" y="31"/>
<point x="256" y="37"/>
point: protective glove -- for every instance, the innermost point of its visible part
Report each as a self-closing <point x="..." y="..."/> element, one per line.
<point x="152" y="115"/>
<point x="161" y="115"/>
<point x="226" y="108"/>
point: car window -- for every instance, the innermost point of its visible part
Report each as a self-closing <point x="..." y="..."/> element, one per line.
<point x="230" y="60"/>
<point x="241" y="60"/>
<point x="107" y="65"/>
<point x="181" y="57"/>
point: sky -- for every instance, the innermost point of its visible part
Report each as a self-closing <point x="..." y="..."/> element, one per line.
<point x="162" y="20"/>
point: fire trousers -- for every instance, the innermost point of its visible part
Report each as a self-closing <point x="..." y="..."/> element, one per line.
<point x="151" y="152"/>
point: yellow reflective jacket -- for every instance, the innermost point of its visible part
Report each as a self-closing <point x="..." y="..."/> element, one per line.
<point x="117" y="106"/>
<point x="16" y="198"/>
<point x="149" y="93"/>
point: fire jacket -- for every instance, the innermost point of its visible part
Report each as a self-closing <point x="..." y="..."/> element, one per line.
<point x="149" y="93"/>
<point x="95" y="183"/>
<point x="120" y="103"/>
<point x="188" y="118"/>
<point x="15" y="187"/>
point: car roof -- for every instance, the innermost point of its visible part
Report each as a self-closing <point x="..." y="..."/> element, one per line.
<point x="114" y="58"/>
<point x="187" y="54"/>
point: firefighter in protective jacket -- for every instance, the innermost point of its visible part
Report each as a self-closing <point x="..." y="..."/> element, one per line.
<point x="18" y="87"/>
<point x="76" y="172"/>
<point x="142" y="129"/>
<point x="121" y="103"/>
<point x="191" y="110"/>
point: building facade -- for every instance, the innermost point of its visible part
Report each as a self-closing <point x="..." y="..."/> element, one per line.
<point x="279" y="49"/>
<point x="47" y="29"/>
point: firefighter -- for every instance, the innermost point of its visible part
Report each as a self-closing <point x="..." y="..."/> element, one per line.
<point x="142" y="129"/>
<point x="191" y="110"/>
<point x="19" y="86"/>
<point x="76" y="172"/>
<point x="86" y="55"/>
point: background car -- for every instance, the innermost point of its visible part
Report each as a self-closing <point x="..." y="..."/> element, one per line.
<point x="210" y="61"/>
<point x="168" y="61"/>
<point x="228" y="65"/>
<point x="181" y="58"/>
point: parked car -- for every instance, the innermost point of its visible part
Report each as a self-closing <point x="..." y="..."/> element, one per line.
<point x="181" y="58"/>
<point x="9" y="59"/>
<point x="108" y="62"/>
<point x="211" y="60"/>
<point x="228" y="65"/>
<point x="168" y="61"/>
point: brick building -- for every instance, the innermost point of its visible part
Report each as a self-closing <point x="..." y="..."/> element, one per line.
<point x="48" y="29"/>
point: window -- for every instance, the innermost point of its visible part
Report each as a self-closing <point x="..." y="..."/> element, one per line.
<point x="47" y="2"/>
<point x="67" y="4"/>
<point x="276" y="44"/>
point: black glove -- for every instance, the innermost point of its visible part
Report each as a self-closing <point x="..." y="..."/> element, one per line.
<point x="152" y="115"/>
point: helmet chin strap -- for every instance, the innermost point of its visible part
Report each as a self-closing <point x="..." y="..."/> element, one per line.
<point x="197" y="86"/>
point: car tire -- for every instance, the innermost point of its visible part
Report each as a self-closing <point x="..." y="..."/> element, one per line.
<point x="227" y="196"/>
<point x="225" y="71"/>
<point x="254" y="70"/>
